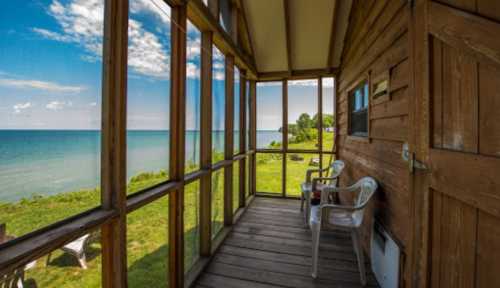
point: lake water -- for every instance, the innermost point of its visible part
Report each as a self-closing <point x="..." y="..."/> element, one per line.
<point x="35" y="162"/>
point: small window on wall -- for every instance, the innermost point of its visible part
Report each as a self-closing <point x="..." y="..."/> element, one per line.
<point x="358" y="110"/>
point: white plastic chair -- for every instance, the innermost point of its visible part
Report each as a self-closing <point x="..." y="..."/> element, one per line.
<point x="307" y="187"/>
<point x="346" y="217"/>
<point x="77" y="249"/>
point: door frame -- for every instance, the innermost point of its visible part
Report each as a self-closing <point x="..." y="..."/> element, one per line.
<point x="419" y="144"/>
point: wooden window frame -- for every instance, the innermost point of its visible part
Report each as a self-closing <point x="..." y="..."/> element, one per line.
<point x="110" y="217"/>
<point x="361" y="82"/>
<point x="284" y="151"/>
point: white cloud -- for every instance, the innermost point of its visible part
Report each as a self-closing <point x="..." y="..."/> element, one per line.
<point x="41" y="85"/>
<point x="82" y="23"/>
<point x="328" y="82"/>
<point x="93" y="104"/>
<point x="219" y="75"/>
<point x="193" y="48"/>
<point x="218" y="65"/>
<point x="303" y="83"/>
<point x="58" y="105"/>
<point x="192" y="71"/>
<point x="146" y="54"/>
<point x="52" y="35"/>
<point x="18" y="108"/>
<point x="269" y="84"/>
<point x="155" y="7"/>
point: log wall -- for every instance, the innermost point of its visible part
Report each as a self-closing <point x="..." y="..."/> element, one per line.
<point x="378" y="43"/>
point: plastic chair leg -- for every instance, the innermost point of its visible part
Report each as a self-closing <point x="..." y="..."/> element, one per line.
<point x="356" y="241"/>
<point x="316" y="233"/>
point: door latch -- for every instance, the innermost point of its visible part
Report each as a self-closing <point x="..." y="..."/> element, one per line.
<point x="410" y="158"/>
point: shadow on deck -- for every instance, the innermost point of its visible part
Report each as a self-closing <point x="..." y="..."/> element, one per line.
<point x="270" y="247"/>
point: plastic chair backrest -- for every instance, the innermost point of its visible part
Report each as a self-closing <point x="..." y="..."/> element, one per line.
<point x="335" y="170"/>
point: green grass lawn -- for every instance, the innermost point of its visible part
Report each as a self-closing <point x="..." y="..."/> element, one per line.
<point x="147" y="228"/>
<point x="147" y="235"/>
<point x="270" y="169"/>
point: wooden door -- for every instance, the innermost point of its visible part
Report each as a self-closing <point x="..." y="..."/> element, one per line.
<point x="457" y="98"/>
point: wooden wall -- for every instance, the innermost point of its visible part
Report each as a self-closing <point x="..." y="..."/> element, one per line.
<point x="464" y="154"/>
<point x="377" y="43"/>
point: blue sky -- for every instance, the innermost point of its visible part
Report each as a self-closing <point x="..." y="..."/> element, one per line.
<point x="51" y="65"/>
<point x="51" y="69"/>
<point x="302" y="98"/>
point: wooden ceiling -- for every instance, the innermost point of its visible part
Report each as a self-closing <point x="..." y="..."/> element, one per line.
<point x="289" y="37"/>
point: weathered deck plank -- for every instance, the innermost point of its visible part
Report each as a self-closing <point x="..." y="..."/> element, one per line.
<point x="271" y="247"/>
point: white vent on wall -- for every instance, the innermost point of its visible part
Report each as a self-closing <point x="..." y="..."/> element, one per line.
<point x="385" y="255"/>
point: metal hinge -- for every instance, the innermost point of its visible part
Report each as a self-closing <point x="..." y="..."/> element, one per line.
<point x="412" y="162"/>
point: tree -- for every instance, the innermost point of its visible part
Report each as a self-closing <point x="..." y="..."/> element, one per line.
<point x="305" y="121"/>
<point x="328" y="120"/>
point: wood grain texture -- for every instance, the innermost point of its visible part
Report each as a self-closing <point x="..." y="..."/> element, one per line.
<point x="270" y="247"/>
<point x="465" y="31"/>
<point x="458" y="244"/>
<point x="468" y="177"/>
<point x="488" y="251"/>
<point x="379" y="45"/>
<point x="460" y="101"/>
<point x="113" y="143"/>
<point x="489" y="118"/>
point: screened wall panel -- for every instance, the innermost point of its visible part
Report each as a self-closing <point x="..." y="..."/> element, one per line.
<point x="269" y="115"/>
<point x="303" y="120"/>
<point x="247" y="107"/>
<point x="328" y="93"/>
<point x="193" y="98"/>
<point x="237" y="99"/>
<point x="50" y="112"/>
<point x="62" y="269"/>
<point x="147" y="245"/>
<point x="191" y="225"/>
<point x="218" y="104"/>
<point x="296" y="169"/>
<point x="236" y="185"/>
<point x="248" y="163"/>
<point x="217" y="201"/>
<point x="148" y="95"/>
<point x="269" y="173"/>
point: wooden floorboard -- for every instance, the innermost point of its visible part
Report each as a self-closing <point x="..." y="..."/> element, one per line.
<point x="271" y="247"/>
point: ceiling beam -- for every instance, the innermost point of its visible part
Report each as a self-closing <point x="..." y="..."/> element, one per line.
<point x="247" y="28"/>
<point x="333" y="34"/>
<point x="287" y="36"/>
<point x="297" y="74"/>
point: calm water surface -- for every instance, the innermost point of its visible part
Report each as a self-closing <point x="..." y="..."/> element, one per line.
<point x="35" y="162"/>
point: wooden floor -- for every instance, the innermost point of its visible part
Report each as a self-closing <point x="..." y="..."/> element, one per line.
<point x="270" y="247"/>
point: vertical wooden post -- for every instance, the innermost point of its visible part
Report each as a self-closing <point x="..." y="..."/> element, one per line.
<point x="113" y="142"/>
<point x="320" y="123"/>
<point x="284" y="135"/>
<point x="206" y="144"/>
<point x="419" y="143"/>
<point x="243" y="136"/>
<point x="229" y="143"/>
<point x="253" y="136"/>
<point x="177" y="144"/>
